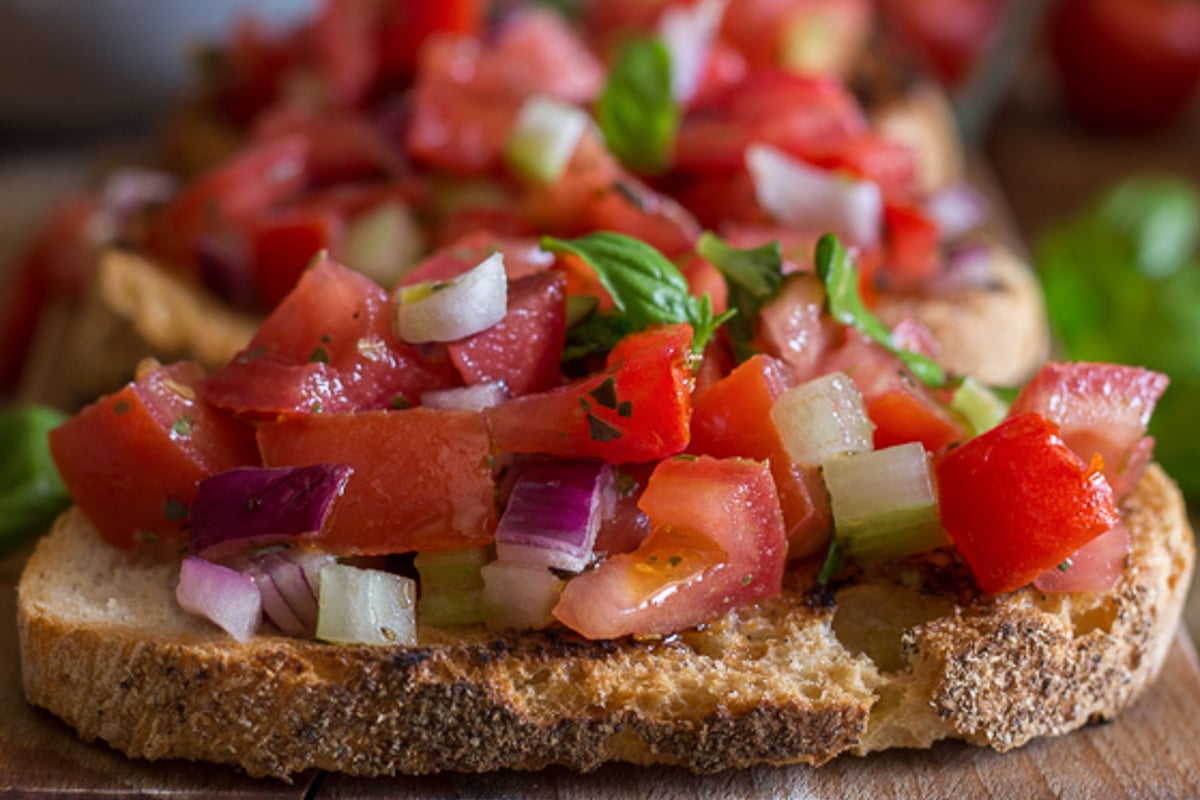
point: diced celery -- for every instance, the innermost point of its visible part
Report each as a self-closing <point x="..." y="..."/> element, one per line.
<point x="979" y="405"/>
<point x="518" y="595"/>
<point x="451" y="585"/>
<point x="883" y="502"/>
<point x="544" y="138"/>
<point x="383" y="243"/>
<point x="822" y="418"/>
<point x="366" y="606"/>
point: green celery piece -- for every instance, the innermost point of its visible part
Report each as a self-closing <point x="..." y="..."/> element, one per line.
<point x="979" y="405"/>
<point x="452" y="569"/>
<point x="894" y="534"/>
<point x="447" y="607"/>
<point x="33" y="493"/>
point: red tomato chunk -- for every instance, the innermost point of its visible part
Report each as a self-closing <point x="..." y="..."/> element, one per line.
<point x="1016" y="502"/>
<point x="717" y="543"/>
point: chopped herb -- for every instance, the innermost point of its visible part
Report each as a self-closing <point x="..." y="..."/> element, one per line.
<point x="833" y="562"/>
<point x="326" y="338"/>
<point x="753" y="277"/>
<point x="746" y="580"/>
<point x="601" y="431"/>
<point x="606" y="393"/>
<point x="146" y="536"/>
<point x="675" y="561"/>
<point x="625" y="408"/>
<point x="317" y="408"/>
<point x="636" y="111"/>
<point x="253" y="504"/>
<point x="183" y="426"/>
<point x="175" y="511"/>
<point x="1065" y="565"/>
<point x="319" y="355"/>
<point x="400" y="402"/>
<point x="121" y="407"/>
<point x="840" y="277"/>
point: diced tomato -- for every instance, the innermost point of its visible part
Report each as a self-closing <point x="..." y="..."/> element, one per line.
<point x="408" y="24"/>
<point x="716" y="543"/>
<point x="328" y="347"/>
<point x="522" y="257"/>
<point x="523" y="349"/>
<point x="596" y="193"/>
<point x="904" y="414"/>
<point x="1016" y="502"/>
<point x="794" y="327"/>
<point x="805" y="35"/>
<point x="342" y="146"/>
<point x="132" y="460"/>
<point x="253" y="68"/>
<point x="732" y="418"/>
<point x="950" y="34"/>
<point x="913" y="247"/>
<point x="282" y="245"/>
<point x="1095" y="567"/>
<point x="230" y="196"/>
<point x="637" y="409"/>
<point x="1102" y="409"/>
<point x="422" y="478"/>
<point x="468" y="92"/>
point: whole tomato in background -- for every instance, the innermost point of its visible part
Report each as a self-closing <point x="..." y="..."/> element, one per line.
<point x="1126" y="65"/>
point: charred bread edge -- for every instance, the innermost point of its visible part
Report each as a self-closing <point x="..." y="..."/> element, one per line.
<point x="769" y="684"/>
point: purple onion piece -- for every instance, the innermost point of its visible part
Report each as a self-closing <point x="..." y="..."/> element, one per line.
<point x="958" y="209"/>
<point x="129" y="191"/>
<point x="225" y="269"/>
<point x="249" y="506"/>
<point x="554" y="513"/>
<point x="221" y="595"/>
<point x="968" y="267"/>
<point x="274" y="605"/>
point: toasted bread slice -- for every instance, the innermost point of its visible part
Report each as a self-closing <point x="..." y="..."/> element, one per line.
<point x="902" y="655"/>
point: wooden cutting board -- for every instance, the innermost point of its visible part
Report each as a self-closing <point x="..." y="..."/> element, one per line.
<point x="1152" y="751"/>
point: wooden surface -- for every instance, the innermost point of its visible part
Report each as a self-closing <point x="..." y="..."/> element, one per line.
<point x="1149" y="752"/>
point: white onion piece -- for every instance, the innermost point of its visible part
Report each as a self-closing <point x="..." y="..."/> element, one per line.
<point x="221" y="595"/>
<point x="126" y="193"/>
<point x="467" y="398"/>
<point x="443" y="311"/>
<point x="383" y="243"/>
<point x="544" y="137"/>
<point x="520" y="596"/>
<point x="553" y="515"/>
<point x="366" y="606"/>
<point x="957" y="209"/>
<point x="813" y="199"/>
<point x="883" y="502"/>
<point x="822" y="418"/>
<point x="688" y="33"/>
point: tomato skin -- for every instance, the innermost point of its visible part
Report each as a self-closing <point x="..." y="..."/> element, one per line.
<point x="637" y="409"/>
<point x="1016" y="502"/>
<point x="913" y="247"/>
<point x="422" y="478"/>
<point x="132" y="460"/>
<point x="230" y="196"/>
<point x="523" y="349"/>
<point x="283" y="245"/>
<point x="716" y="543"/>
<point x="1102" y="409"/>
<point x="732" y="418"/>
<point x="327" y="347"/>
<point x="1126" y="65"/>
<point x="907" y="414"/>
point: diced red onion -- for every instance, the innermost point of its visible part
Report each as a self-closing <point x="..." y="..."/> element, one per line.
<point x="810" y="198"/>
<point x="225" y="269"/>
<point x="254" y="505"/>
<point x="969" y="267"/>
<point x="310" y="562"/>
<point x="554" y="513"/>
<point x="467" y="398"/>
<point x="957" y="209"/>
<point x="275" y="606"/>
<point x="688" y="33"/>
<point x="221" y="595"/>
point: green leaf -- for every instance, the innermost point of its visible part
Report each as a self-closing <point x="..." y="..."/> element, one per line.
<point x="840" y="276"/>
<point x="753" y="278"/>
<point x="636" y="111"/>
<point x="645" y="286"/>
<point x="31" y="492"/>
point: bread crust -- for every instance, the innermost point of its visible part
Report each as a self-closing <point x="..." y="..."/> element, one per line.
<point x="789" y="680"/>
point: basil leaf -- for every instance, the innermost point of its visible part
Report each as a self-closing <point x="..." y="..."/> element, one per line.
<point x="753" y="278"/>
<point x="840" y="276"/>
<point x="32" y="492"/>
<point x="645" y="286"/>
<point x="636" y="111"/>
